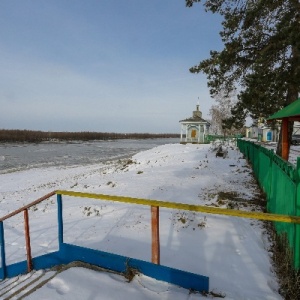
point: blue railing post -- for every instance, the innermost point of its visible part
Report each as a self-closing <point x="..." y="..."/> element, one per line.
<point x="60" y="221"/>
<point x="2" y="246"/>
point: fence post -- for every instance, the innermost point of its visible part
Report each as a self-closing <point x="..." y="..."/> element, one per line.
<point x="27" y="240"/>
<point x="2" y="245"/>
<point x="270" y="180"/>
<point x="60" y="222"/>
<point x="155" y="235"/>
<point x="297" y="213"/>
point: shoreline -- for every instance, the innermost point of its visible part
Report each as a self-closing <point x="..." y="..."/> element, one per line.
<point x="115" y="160"/>
<point x="27" y="156"/>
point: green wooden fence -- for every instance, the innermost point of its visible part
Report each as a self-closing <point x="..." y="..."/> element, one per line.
<point x="280" y="180"/>
<point x="210" y="137"/>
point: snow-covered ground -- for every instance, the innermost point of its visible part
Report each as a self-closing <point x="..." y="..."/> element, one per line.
<point x="232" y="252"/>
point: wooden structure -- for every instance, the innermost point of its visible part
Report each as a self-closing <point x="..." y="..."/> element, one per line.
<point x="194" y="129"/>
<point x="287" y="114"/>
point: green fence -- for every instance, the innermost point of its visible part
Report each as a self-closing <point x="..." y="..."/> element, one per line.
<point x="280" y="180"/>
<point x="210" y="137"/>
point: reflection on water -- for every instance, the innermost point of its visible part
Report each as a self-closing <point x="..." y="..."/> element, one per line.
<point x="14" y="157"/>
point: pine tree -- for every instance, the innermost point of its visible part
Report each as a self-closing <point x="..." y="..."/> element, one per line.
<point x="261" y="55"/>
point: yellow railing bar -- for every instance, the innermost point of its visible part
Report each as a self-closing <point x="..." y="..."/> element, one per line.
<point x="190" y="207"/>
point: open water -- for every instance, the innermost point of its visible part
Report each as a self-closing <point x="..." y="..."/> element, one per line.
<point x="15" y="157"/>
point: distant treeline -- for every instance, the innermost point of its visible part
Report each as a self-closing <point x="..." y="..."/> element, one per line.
<point x="42" y="136"/>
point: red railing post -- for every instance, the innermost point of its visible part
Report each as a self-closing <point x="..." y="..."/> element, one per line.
<point x="27" y="240"/>
<point x="155" y="235"/>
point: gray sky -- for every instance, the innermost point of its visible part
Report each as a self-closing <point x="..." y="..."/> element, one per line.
<point x="103" y="65"/>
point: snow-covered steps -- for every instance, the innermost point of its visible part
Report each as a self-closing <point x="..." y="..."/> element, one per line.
<point x="79" y="280"/>
<point x="23" y="285"/>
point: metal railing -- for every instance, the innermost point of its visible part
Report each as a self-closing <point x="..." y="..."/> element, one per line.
<point x="153" y="204"/>
<point x="23" y="209"/>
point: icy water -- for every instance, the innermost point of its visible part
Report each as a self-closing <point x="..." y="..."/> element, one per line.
<point x="15" y="157"/>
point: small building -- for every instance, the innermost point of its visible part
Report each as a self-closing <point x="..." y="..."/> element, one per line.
<point x="265" y="133"/>
<point x="262" y="131"/>
<point x="270" y="134"/>
<point x="252" y="132"/>
<point x="194" y="129"/>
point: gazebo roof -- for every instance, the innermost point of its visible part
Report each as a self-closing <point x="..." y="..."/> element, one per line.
<point x="292" y="112"/>
<point x="194" y="120"/>
<point x="288" y="113"/>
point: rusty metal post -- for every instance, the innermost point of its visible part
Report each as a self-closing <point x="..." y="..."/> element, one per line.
<point x="27" y="240"/>
<point x="285" y="143"/>
<point x="155" y="235"/>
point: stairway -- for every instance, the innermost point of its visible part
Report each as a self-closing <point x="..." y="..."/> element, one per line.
<point x="21" y="286"/>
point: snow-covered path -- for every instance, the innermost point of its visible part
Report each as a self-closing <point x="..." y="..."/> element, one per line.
<point x="232" y="252"/>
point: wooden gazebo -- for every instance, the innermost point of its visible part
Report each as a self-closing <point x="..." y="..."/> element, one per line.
<point x="194" y="129"/>
<point x="288" y="113"/>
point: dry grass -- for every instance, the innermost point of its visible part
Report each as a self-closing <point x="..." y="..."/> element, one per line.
<point x="289" y="278"/>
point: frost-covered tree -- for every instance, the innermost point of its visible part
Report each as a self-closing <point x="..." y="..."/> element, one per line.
<point x="221" y="114"/>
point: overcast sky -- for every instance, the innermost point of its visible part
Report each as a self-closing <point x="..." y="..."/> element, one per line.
<point x="103" y="65"/>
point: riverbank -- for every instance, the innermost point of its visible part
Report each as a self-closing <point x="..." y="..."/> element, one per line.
<point x="233" y="253"/>
<point x="15" y="157"/>
<point x="33" y="136"/>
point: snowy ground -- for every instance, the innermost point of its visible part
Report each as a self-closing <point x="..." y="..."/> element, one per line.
<point x="232" y="252"/>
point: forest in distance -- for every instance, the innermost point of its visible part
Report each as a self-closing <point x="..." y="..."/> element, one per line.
<point x="32" y="136"/>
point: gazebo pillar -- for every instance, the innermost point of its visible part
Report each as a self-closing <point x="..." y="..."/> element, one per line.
<point x="181" y="129"/>
<point x="285" y="137"/>
<point x="186" y="133"/>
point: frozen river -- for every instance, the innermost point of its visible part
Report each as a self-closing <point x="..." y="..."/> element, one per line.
<point x="15" y="157"/>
